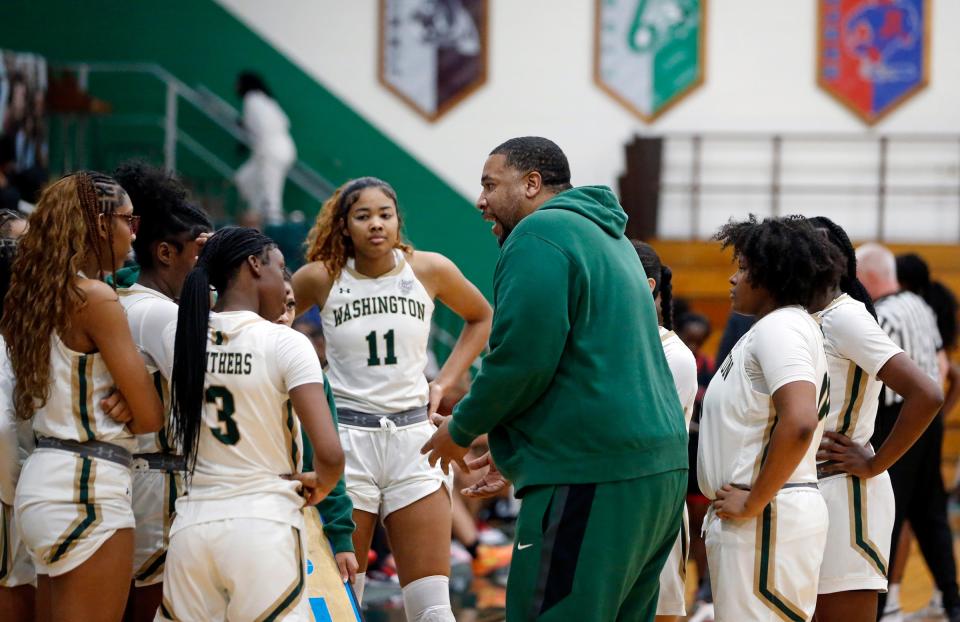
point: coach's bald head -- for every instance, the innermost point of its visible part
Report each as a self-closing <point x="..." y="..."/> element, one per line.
<point x="877" y="270"/>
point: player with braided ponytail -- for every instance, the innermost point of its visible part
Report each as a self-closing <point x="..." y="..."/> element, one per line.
<point x="683" y="368"/>
<point x="242" y="385"/>
<point x="854" y="482"/>
<point x="70" y="348"/>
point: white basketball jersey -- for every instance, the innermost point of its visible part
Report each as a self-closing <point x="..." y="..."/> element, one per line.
<point x="250" y="435"/>
<point x="376" y="331"/>
<point x="738" y="414"/>
<point x="857" y="348"/>
<point x="683" y="368"/>
<point x="149" y="313"/>
<point x="16" y="435"/>
<point x="9" y="452"/>
<point x="78" y="382"/>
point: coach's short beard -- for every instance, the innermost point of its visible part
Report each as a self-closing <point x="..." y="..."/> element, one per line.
<point x="504" y="234"/>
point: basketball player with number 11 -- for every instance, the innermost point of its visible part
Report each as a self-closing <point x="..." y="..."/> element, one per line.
<point x="375" y="295"/>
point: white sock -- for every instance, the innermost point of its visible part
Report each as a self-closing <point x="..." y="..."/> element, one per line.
<point x="893" y="597"/>
<point x="428" y="600"/>
<point x="358" y="583"/>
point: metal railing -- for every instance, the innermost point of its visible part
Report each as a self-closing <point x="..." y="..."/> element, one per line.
<point x="774" y="176"/>
<point x="213" y="108"/>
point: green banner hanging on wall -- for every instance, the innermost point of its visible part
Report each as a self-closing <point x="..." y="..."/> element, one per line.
<point x="649" y="53"/>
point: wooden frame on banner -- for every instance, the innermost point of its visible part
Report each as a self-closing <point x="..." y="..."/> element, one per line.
<point x="467" y="91"/>
<point x="895" y="104"/>
<point x="681" y="95"/>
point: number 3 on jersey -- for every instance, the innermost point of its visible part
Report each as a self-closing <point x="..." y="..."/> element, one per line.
<point x="226" y="432"/>
<point x="374" y="358"/>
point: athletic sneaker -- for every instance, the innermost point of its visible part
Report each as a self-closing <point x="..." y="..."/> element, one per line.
<point x="702" y="613"/>
<point x="491" y="558"/>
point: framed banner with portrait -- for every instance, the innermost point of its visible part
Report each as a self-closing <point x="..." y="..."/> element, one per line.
<point x="433" y="53"/>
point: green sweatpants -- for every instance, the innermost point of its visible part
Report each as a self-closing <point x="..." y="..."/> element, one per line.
<point x="594" y="552"/>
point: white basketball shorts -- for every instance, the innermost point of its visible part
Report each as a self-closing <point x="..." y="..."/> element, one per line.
<point x="385" y="470"/>
<point x="858" y="541"/>
<point x="235" y="569"/>
<point x="68" y="505"/>
<point x="765" y="569"/>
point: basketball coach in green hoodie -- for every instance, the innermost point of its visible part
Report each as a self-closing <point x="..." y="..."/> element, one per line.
<point x="576" y="397"/>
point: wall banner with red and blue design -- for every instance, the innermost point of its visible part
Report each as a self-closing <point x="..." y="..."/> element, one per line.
<point x="873" y="54"/>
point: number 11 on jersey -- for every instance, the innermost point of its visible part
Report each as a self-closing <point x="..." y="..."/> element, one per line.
<point x="374" y="358"/>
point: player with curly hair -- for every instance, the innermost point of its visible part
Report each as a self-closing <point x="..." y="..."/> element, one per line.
<point x="69" y="347"/>
<point x="376" y="298"/>
<point x="761" y="426"/>
<point x="171" y="233"/>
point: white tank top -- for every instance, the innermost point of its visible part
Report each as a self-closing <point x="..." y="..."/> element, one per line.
<point x="148" y="313"/>
<point x="78" y="382"/>
<point x="376" y="331"/>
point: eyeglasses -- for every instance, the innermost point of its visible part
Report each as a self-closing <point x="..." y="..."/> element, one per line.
<point x="133" y="221"/>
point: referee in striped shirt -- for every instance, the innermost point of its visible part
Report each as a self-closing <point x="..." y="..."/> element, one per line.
<point x="917" y="481"/>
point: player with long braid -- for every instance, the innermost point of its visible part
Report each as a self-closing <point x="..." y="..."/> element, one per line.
<point x="242" y="385"/>
<point x="69" y="347"/>
<point x="683" y="367"/>
<point x="853" y="480"/>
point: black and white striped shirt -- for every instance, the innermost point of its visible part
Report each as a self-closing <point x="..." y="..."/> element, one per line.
<point x="912" y="325"/>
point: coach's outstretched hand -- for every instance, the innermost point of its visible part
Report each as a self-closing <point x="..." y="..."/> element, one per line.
<point x="311" y="487"/>
<point x="491" y="484"/>
<point x="441" y="447"/>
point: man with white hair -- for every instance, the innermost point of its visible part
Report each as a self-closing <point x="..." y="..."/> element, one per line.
<point x="917" y="481"/>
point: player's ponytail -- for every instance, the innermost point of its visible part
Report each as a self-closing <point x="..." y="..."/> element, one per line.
<point x="849" y="283"/>
<point x="662" y="280"/>
<point x="666" y="297"/>
<point x="222" y="255"/>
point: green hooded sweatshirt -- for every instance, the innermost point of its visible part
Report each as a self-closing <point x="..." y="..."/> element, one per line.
<point x="575" y="388"/>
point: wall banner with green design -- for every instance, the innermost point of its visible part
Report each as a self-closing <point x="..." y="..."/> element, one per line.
<point x="649" y="53"/>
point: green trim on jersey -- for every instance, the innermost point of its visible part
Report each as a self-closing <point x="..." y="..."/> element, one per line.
<point x="854" y="399"/>
<point x="823" y="402"/>
<point x="83" y="397"/>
